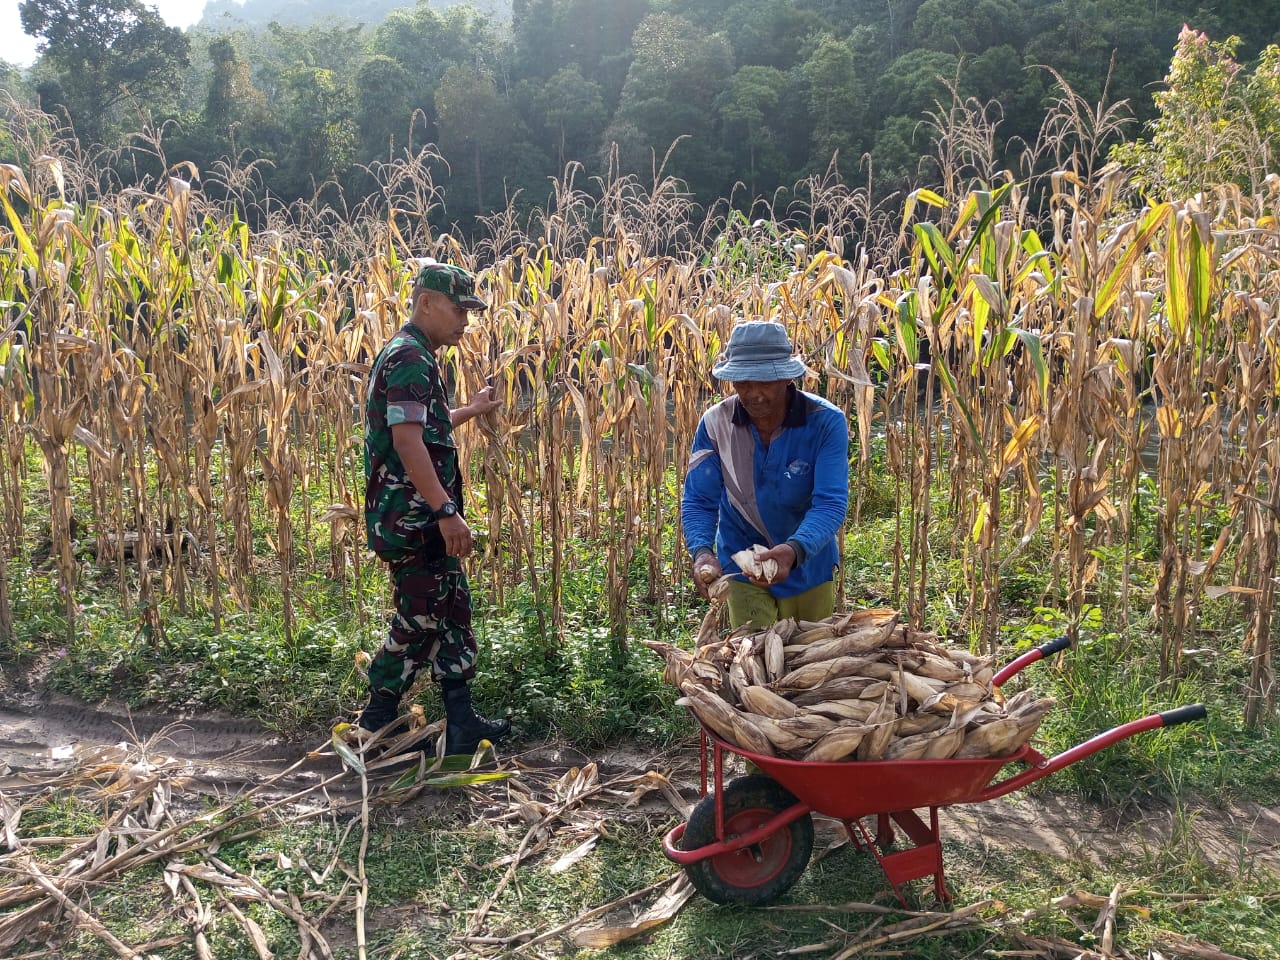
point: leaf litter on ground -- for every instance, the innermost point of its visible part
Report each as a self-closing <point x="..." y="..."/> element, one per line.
<point x="138" y="796"/>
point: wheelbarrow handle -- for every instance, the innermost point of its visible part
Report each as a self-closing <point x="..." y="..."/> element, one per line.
<point x="1043" y="767"/>
<point x="1194" y="711"/>
<point x="1048" y="648"/>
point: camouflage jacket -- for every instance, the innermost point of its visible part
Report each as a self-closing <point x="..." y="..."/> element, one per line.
<point x="406" y="386"/>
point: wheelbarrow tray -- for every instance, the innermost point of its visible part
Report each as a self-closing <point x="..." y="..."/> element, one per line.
<point x="851" y="790"/>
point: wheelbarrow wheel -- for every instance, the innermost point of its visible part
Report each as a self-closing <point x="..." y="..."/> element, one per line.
<point x="762" y="872"/>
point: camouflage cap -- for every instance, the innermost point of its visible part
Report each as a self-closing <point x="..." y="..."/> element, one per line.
<point x="454" y="282"/>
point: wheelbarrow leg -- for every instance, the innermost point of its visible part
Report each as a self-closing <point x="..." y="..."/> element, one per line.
<point x="924" y="859"/>
<point x="884" y="832"/>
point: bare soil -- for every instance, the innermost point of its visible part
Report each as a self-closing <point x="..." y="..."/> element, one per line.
<point x="223" y="755"/>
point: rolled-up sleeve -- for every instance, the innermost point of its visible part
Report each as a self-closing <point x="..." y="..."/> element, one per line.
<point x="408" y="379"/>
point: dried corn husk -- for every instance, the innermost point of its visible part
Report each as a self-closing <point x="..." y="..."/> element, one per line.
<point x="773" y="655"/>
<point x="814" y="674"/>
<point x="784" y="740"/>
<point x="857" y="710"/>
<point x="730" y="723"/>
<point x="860" y="641"/>
<point x="999" y="738"/>
<point x="915" y="723"/>
<point x="750" y="563"/>
<point x="763" y="702"/>
<point x="882" y="720"/>
<point x="838" y="743"/>
<point x="858" y="686"/>
<point x="807" y="724"/>
<point x="842" y="688"/>
<point x="940" y="668"/>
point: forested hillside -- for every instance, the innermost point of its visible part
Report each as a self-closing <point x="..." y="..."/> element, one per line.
<point x="735" y="98"/>
<point x="221" y="14"/>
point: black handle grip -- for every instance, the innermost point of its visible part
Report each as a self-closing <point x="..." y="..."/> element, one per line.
<point x="1195" y="711"/>
<point x="1054" y="645"/>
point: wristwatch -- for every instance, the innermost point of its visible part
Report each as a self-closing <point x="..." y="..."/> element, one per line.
<point x="447" y="509"/>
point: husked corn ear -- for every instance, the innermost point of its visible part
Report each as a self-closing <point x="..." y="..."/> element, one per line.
<point x="750" y="563"/>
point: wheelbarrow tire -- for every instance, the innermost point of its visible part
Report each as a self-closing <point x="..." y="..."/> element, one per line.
<point x="761" y="873"/>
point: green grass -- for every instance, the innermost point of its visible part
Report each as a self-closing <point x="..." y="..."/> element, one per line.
<point x="427" y="874"/>
<point x="586" y="687"/>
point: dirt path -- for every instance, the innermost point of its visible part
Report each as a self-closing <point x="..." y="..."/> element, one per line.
<point x="225" y="755"/>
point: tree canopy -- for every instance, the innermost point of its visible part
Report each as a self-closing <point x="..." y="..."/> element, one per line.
<point x="106" y="53"/>
<point x="739" y="97"/>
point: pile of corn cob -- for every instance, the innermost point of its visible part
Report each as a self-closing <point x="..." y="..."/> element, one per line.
<point x="857" y="686"/>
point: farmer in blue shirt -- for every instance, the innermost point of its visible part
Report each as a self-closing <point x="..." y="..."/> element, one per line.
<point x="769" y="466"/>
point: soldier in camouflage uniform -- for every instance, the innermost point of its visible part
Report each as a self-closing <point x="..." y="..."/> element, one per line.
<point x="413" y="510"/>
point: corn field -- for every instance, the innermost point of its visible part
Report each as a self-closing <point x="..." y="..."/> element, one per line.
<point x="184" y="393"/>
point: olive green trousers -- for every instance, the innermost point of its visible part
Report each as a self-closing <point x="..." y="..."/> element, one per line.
<point x="751" y="604"/>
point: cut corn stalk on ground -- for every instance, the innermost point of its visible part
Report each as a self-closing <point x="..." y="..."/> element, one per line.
<point x="857" y="686"/>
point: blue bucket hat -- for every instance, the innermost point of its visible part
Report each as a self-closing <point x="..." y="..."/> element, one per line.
<point x="454" y="282"/>
<point x="760" y="351"/>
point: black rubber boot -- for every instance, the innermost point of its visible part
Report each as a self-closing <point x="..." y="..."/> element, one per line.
<point x="383" y="710"/>
<point x="465" y="728"/>
<point x="383" y="707"/>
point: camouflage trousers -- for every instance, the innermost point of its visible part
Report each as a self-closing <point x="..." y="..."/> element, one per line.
<point x="431" y="624"/>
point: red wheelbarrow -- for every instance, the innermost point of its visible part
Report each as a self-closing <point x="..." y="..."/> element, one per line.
<point x="748" y="842"/>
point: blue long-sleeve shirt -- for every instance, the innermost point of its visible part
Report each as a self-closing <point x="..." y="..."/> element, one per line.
<point x="738" y="493"/>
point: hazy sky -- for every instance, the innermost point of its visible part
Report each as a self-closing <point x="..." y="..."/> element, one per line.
<point x="17" y="47"/>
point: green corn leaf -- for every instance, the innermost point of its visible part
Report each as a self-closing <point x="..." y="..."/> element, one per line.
<point x="1177" y="299"/>
<point x="1151" y="223"/>
<point x="1034" y="346"/>
<point x="344" y="751"/>
<point x="953" y="392"/>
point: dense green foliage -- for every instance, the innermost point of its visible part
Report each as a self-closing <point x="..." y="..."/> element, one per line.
<point x="757" y="93"/>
